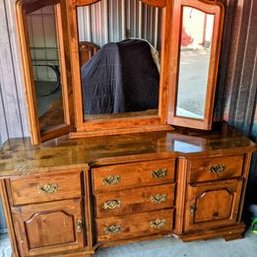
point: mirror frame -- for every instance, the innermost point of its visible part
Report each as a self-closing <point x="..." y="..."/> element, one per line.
<point x="122" y="125"/>
<point x="23" y="7"/>
<point x="209" y="7"/>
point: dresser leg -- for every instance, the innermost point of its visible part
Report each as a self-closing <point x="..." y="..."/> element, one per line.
<point x="233" y="237"/>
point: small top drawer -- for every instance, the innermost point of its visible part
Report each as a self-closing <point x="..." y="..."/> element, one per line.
<point x="224" y="167"/>
<point x="44" y="188"/>
<point x="122" y="176"/>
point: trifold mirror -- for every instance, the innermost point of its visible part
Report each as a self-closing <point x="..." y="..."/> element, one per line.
<point x="99" y="67"/>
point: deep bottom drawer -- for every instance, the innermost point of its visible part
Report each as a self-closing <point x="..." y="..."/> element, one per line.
<point x="136" y="225"/>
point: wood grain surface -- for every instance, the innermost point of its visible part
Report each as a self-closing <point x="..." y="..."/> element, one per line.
<point x="19" y="157"/>
<point x="135" y="200"/>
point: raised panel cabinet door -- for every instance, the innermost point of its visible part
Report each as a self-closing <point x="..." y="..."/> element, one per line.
<point x="212" y="205"/>
<point x="49" y="227"/>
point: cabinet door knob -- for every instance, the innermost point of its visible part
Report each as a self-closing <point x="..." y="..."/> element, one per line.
<point x="79" y="225"/>
<point x="48" y="189"/>
<point x="159" y="198"/>
<point x="192" y="209"/>
<point x="160" y="173"/>
<point x="158" y="223"/>
<point x="112" y="230"/>
<point x="112" y="204"/>
<point x="111" y="180"/>
<point x="217" y="169"/>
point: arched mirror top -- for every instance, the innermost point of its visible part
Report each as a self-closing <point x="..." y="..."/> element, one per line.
<point x="155" y="3"/>
<point x="207" y="6"/>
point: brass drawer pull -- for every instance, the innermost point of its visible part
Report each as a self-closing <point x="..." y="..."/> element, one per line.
<point x="160" y="173"/>
<point x="111" y="180"/>
<point x="159" y="198"/>
<point x="158" y="223"/>
<point x="112" y="204"/>
<point x="112" y="230"/>
<point x="217" y="169"/>
<point x="79" y="226"/>
<point x="48" y="189"/>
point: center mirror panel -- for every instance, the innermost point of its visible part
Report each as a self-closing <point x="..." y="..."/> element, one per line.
<point x="119" y="48"/>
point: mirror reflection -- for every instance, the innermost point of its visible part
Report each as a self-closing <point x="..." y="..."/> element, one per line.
<point x="119" y="43"/>
<point x="44" y="51"/>
<point x="195" y="51"/>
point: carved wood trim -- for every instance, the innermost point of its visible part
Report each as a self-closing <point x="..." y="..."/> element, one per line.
<point x="157" y="3"/>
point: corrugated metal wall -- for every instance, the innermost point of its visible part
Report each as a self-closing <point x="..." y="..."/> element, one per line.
<point x="236" y="96"/>
<point x="115" y="20"/>
<point x="13" y="111"/>
<point x="236" y="100"/>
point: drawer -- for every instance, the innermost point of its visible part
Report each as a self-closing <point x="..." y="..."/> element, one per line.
<point x="135" y="200"/>
<point x="136" y="225"/>
<point x="224" y="167"/>
<point x="115" y="177"/>
<point x="44" y="188"/>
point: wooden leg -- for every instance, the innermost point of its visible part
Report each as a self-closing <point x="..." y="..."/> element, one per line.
<point x="233" y="237"/>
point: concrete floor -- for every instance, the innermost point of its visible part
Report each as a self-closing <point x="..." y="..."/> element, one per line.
<point x="171" y="247"/>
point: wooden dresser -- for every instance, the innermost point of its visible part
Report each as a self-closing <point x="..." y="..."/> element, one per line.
<point x="70" y="197"/>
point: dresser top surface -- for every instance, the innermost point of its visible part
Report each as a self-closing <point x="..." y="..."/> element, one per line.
<point x="19" y="157"/>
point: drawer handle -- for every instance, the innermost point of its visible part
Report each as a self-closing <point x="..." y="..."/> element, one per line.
<point x="112" y="230"/>
<point x="160" y="173"/>
<point x="158" y="223"/>
<point x="217" y="169"/>
<point x="111" y="180"/>
<point x="79" y="226"/>
<point x="48" y="189"/>
<point x="112" y="204"/>
<point x="159" y="198"/>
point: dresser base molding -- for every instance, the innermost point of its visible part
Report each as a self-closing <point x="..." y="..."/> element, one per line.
<point x="81" y="253"/>
<point x="228" y="233"/>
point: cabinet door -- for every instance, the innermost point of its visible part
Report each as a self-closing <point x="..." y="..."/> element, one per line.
<point x="49" y="227"/>
<point x="212" y="205"/>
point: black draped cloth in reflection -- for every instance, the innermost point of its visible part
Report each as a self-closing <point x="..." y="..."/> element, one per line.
<point x="121" y="77"/>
